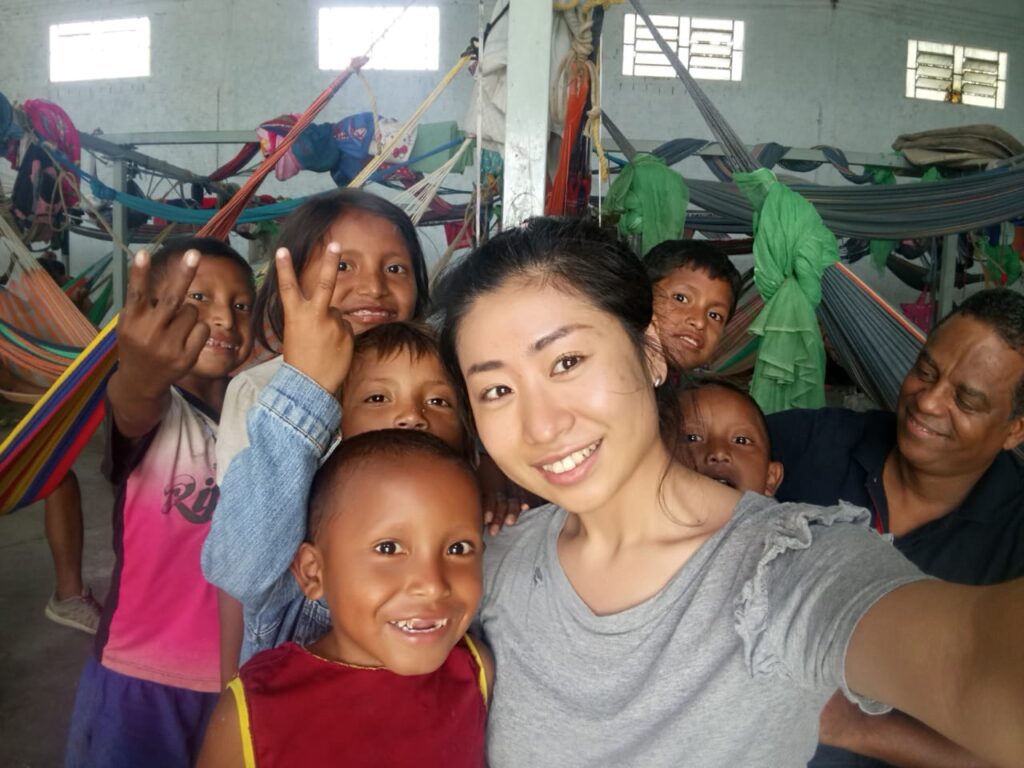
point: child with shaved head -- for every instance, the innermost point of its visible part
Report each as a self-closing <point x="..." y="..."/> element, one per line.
<point x="395" y="548"/>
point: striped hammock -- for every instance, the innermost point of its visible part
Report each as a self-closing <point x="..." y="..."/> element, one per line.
<point x="39" y="324"/>
<point x="737" y="349"/>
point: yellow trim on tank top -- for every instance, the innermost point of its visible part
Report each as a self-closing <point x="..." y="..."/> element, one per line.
<point x="481" y="674"/>
<point x="235" y="686"/>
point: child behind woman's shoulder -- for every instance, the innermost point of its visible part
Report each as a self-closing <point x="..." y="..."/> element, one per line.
<point x="727" y="436"/>
<point x="145" y="698"/>
<point x="696" y="288"/>
<point x="395" y="548"/>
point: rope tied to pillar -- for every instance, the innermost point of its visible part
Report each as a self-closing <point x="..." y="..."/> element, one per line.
<point x="576" y="79"/>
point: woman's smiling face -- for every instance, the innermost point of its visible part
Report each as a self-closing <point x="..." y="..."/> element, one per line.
<point x="562" y="398"/>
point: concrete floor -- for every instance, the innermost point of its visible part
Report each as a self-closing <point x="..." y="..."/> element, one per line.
<point x="40" y="661"/>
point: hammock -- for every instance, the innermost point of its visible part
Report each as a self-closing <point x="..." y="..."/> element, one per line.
<point x="200" y="216"/>
<point x="737" y="348"/>
<point x="890" y="212"/>
<point x="873" y="341"/>
<point x="36" y="317"/>
<point x="42" y="447"/>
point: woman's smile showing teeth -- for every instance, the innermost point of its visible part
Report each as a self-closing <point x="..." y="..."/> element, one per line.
<point x="562" y="469"/>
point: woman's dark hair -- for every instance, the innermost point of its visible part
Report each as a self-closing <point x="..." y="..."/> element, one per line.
<point x="307" y="228"/>
<point x="577" y="256"/>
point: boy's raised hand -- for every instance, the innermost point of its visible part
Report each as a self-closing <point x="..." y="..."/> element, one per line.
<point x="160" y="337"/>
<point x="317" y="339"/>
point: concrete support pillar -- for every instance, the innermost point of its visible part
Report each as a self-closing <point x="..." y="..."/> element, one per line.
<point x="947" y="276"/>
<point x="526" y="118"/>
<point x="119" y="267"/>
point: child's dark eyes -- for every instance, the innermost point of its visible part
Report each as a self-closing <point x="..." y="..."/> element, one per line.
<point x="197" y="296"/>
<point x="743" y="440"/>
<point x="680" y="297"/>
<point x="241" y="306"/>
<point x="377" y="399"/>
<point x="718" y="317"/>
<point x="692" y="437"/>
<point x="388" y="548"/>
<point x="439" y="402"/>
<point x="396" y="269"/>
<point x="343" y="266"/>
<point x="461" y="548"/>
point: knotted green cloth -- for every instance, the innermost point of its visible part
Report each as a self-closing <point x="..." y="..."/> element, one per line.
<point x="792" y="248"/>
<point x="651" y="201"/>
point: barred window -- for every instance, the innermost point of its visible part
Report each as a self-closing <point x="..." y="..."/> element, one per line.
<point x="956" y="73"/>
<point x="711" y="49"/>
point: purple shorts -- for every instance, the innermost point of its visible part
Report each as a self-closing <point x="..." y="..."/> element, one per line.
<point x="123" y="721"/>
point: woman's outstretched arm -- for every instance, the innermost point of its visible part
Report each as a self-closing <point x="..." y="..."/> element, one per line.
<point x="951" y="656"/>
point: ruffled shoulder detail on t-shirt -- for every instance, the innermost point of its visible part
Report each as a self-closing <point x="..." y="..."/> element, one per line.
<point x="791" y="528"/>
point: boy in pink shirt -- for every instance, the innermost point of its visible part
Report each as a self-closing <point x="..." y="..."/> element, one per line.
<point x="147" y="695"/>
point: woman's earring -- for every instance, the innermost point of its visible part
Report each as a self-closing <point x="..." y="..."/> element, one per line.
<point x="657" y="381"/>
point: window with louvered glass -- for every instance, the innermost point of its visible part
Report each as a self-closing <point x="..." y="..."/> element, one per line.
<point x="711" y="49"/>
<point x="956" y="74"/>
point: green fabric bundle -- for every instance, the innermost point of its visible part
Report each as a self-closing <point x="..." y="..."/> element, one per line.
<point x="651" y="201"/>
<point x="1002" y="262"/>
<point x="792" y="248"/>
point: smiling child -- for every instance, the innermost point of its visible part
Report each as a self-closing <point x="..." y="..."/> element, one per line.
<point x="696" y="288"/>
<point x="395" y="548"/>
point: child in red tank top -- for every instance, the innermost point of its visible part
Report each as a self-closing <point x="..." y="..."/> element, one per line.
<point x="395" y="548"/>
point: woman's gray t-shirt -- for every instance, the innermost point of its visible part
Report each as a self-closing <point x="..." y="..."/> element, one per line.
<point x="728" y="665"/>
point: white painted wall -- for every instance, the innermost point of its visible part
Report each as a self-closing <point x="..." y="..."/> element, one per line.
<point x="216" y="64"/>
<point x="816" y="71"/>
<point x="818" y="74"/>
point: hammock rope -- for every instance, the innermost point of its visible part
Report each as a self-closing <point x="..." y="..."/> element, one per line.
<point x="413" y="119"/>
<point x="738" y="154"/>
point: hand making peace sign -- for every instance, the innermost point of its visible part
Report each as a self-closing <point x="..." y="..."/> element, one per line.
<point x="317" y="339"/>
<point x="160" y="337"/>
